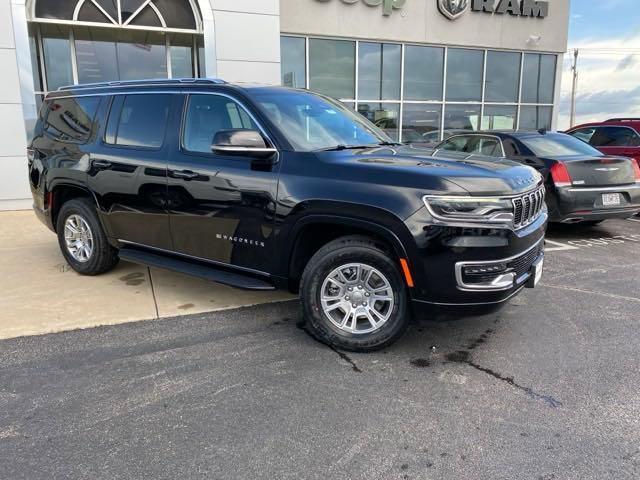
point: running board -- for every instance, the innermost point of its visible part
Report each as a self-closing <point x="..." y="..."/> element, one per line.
<point x="193" y="268"/>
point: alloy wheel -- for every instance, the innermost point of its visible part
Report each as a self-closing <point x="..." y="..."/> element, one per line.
<point x="357" y="298"/>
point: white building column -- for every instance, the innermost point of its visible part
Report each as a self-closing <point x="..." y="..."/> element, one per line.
<point x="247" y="40"/>
<point x="17" y="105"/>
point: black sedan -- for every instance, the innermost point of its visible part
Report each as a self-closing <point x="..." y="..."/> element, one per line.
<point x="583" y="185"/>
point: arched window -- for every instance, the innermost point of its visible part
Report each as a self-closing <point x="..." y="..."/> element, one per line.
<point x="88" y="41"/>
<point x="156" y="14"/>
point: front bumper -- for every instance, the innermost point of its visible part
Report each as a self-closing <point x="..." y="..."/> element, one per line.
<point x="576" y="204"/>
<point x="447" y="263"/>
<point x="499" y="275"/>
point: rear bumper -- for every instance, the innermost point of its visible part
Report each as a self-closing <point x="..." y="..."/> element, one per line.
<point x="575" y="204"/>
<point x="45" y="217"/>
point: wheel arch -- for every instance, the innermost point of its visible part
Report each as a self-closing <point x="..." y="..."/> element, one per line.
<point x="62" y="192"/>
<point x="313" y="231"/>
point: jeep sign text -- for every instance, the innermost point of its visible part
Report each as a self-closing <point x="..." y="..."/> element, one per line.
<point x="387" y="5"/>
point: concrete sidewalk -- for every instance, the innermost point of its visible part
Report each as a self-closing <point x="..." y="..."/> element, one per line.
<point x="39" y="293"/>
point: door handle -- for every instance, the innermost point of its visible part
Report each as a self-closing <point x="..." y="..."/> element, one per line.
<point x="102" y="164"/>
<point x="186" y="174"/>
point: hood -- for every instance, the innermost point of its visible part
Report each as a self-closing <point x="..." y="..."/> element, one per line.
<point x="475" y="174"/>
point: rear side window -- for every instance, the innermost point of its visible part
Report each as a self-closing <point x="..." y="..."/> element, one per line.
<point x="208" y="114"/>
<point x="584" y="134"/>
<point x="456" y="144"/>
<point x="139" y="120"/>
<point x="475" y="144"/>
<point x="70" y="119"/>
<point x="614" y="137"/>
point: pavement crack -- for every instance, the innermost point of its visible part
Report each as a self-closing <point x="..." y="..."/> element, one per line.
<point x="346" y="358"/>
<point x="303" y="326"/>
<point x="463" y="357"/>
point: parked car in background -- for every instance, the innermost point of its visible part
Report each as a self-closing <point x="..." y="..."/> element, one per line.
<point x="430" y="139"/>
<point x="617" y="136"/>
<point x="583" y="184"/>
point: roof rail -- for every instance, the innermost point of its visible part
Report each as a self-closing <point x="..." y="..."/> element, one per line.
<point x="625" y="119"/>
<point x="141" y="83"/>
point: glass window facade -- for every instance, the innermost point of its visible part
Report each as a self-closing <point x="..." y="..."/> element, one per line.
<point x="332" y="67"/>
<point x="293" y="64"/>
<point x="538" y="79"/>
<point x="464" y="75"/>
<point x="67" y="55"/>
<point x="379" y="71"/>
<point x="503" y="77"/>
<point x="418" y="93"/>
<point x="423" y="73"/>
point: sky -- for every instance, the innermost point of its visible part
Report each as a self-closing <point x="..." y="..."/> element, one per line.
<point x="607" y="32"/>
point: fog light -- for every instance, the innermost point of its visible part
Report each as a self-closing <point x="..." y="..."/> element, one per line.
<point x="485" y="269"/>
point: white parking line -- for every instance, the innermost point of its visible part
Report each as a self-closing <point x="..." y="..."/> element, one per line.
<point x="558" y="246"/>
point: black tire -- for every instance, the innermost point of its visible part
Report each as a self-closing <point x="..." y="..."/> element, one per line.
<point x="343" y="251"/>
<point x="103" y="257"/>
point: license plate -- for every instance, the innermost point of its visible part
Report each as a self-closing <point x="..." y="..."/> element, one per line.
<point x="609" y="199"/>
<point x="536" y="273"/>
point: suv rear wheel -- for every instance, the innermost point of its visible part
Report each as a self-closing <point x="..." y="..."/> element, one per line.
<point x="82" y="240"/>
<point x="353" y="296"/>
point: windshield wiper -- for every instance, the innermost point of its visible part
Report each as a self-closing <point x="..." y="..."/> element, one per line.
<point x="338" y="148"/>
<point x="389" y="144"/>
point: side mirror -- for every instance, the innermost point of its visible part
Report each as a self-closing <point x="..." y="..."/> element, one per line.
<point x="241" y="142"/>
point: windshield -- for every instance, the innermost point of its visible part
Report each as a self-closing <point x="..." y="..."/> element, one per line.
<point x="313" y="122"/>
<point x="559" y="145"/>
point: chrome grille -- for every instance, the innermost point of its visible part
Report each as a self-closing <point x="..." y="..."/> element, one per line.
<point x="523" y="263"/>
<point x="527" y="207"/>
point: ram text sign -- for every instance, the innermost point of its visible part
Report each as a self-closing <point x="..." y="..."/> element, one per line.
<point x="453" y="9"/>
<point x="388" y="6"/>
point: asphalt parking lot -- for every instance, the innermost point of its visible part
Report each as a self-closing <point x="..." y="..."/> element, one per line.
<point x="546" y="388"/>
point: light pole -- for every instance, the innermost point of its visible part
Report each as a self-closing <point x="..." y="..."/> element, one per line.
<point x="574" y="88"/>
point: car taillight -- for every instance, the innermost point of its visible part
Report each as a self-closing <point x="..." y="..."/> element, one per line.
<point x="636" y="170"/>
<point x="560" y="175"/>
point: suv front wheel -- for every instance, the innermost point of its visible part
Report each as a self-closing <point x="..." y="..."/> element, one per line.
<point x="353" y="296"/>
<point x="82" y="239"/>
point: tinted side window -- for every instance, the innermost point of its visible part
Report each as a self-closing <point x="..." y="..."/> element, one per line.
<point x="614" y="137"/>
<point x="510" y="148"/>
<point x="71" y="119"/>
<point x="456" y="144"/>
<point x="141" y="121"/>
<point x="208" y="114"/>
<point x="584" y="134"/>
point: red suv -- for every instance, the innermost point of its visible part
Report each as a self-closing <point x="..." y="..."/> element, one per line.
<point x="617" y="136"/>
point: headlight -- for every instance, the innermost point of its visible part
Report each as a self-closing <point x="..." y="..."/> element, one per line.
<point x="481" y="210"/>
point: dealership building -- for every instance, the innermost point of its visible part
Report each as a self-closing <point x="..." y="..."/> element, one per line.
<point x="416" y="68"/>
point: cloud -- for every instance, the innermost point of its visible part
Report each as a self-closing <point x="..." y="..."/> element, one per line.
<point x="608" y="84"/>
<point x="626" y="62"/>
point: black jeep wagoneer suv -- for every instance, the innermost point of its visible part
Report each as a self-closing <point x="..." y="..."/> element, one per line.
<point x="266" y="187"/>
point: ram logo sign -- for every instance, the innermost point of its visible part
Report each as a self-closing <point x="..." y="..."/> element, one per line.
<point x="453" y="9"/>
